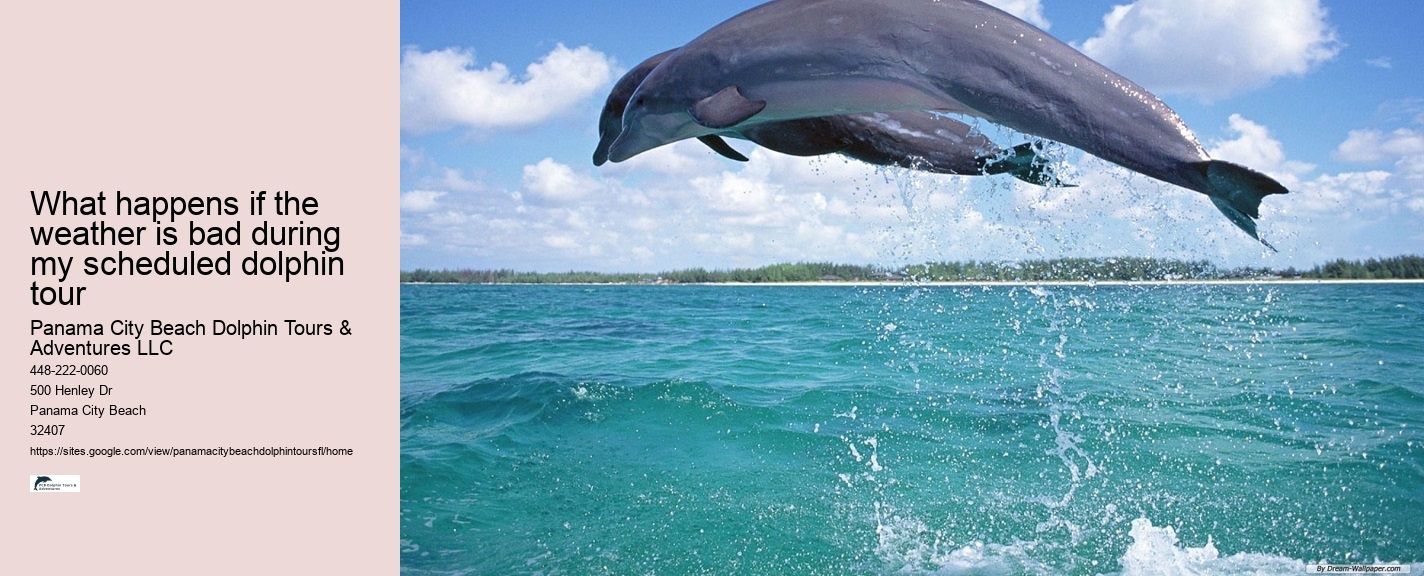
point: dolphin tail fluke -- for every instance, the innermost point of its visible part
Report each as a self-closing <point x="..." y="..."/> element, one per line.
<point x="1024" y="163"/>
<point x="1237" y="191"/>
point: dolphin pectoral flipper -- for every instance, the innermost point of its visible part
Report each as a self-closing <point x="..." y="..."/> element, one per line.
<point x="1024" y="163"/>
<point x="1237" y="191"/>
<point x="725" y="109"/>
<point x="720" y="146"/>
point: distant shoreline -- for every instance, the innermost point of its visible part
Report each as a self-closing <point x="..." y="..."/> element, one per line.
<point x="964" y="283"/>
<point x="1058" y="271"/>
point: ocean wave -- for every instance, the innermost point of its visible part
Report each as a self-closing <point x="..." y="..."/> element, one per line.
<point x="906" y="546"/>
<point x="904" y="431"/>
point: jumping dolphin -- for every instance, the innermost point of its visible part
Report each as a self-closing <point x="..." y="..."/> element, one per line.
<point x="795" y="59"/>
<point x="906" y="138"/>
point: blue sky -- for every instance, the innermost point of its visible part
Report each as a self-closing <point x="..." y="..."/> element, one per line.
<point x="500" y="105"/>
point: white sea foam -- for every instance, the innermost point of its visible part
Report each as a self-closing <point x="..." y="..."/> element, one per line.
<point x="1157" y="551"/>
<point x="907" y="546"/>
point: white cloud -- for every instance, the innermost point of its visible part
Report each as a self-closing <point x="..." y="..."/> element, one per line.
<point x="1253" y="145"/>
<point x="748" y="196"/>
<point x="1343" y="194"/>
<point x="555" y="182"/>
<point x="411" y="156"/>
<point x="1030" y="11"/>
<point x="1344" y="214"/>
<point x="1383" y="62"/>
<point x="1255" y="148"/>
<point x="419" y="200"/>
<point x="686" y="207"/>
<point x="1213" y="48"/>
<point x="454" y="180"/>
<point x="1404" y="147"/>
<point x="1377" y="146"/>
<point x="562" y="242"/>
<point x="412" y="239"/>
<point x="441" y="89"/>
<point x="1311" y="195"/>
<point x="695" y="209"/>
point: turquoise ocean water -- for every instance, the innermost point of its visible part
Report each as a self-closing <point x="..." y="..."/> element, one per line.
<point x="1183" y="429"/>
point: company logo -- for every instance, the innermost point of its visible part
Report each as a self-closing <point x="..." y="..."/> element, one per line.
<point x="54" y="483"/>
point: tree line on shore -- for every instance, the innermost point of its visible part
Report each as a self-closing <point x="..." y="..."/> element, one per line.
<point x="1059" y="269"/>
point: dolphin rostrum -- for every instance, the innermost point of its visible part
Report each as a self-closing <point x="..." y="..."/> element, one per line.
<point x="796" y="59"/>
<point x="914" y="139"/>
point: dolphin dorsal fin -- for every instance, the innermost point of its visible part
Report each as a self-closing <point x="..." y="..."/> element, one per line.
<point x="725" y="109"/>
<point x="720" y="146"/>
